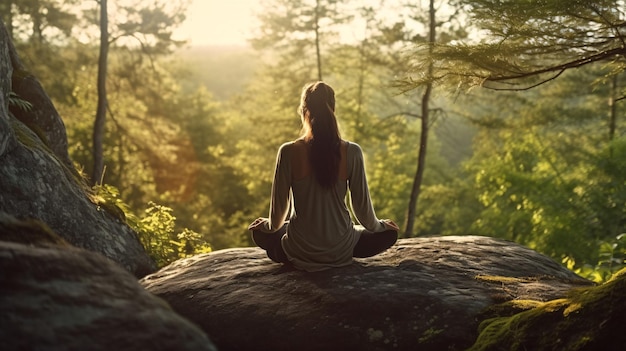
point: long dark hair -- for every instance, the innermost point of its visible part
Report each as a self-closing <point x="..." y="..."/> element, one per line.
<point x="320" y="131"/>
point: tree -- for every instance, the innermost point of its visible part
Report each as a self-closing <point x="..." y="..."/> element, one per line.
<point x="519" y="45"/>
<point x="39" y="20"/>
<point x="97" y="174"/>
<point x="425" y="119"/>
<point x="439" y="25"/>
<point x="149" y="29"/>
<point x="39" y="28"/>
<point x="543" y="171"/>
<point x="296" y="31"/>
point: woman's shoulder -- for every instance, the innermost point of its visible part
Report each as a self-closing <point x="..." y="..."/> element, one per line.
<point x="296" y="148"/>
<point x="298" y="144"/>
<point x="286" y="146"/>
<point x="352" y="147"/>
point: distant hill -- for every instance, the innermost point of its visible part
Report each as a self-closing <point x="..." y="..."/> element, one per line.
<point x="223" y="70"/>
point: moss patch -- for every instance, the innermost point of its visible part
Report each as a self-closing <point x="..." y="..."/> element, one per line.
<point x="587" y="319"/>
<point x="499" y="279"/>
<point x="33" y="138"/>
<point x="429" y="334"/>
<point x="28" y="231"/>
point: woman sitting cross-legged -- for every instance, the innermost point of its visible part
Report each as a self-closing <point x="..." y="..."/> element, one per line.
<point x="317" y="231"/>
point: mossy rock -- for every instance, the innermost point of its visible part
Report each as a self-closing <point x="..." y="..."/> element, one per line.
<point x="39" y="180"/>
<point x="28" y="231"/>
<point x="587" y="319"/>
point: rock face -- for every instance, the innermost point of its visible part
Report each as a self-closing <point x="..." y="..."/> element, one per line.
<point x="38" y="181"/>
<point x="42" y="115"/>
<point x="423" y="293"/>
<point x="64" y="298"/>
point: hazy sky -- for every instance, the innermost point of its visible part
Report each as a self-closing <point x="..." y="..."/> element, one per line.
<point x="232" y="22"/>
<point x="219" y="22"/>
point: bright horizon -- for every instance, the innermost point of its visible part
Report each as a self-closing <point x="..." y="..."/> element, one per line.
<point x="212" y="22"/>
<point x="233" y="22"/>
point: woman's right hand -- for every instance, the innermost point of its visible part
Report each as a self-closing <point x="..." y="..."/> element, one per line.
<point x="257" y="224"/>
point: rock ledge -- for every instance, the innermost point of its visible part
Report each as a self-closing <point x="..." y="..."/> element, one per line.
<point x="423" y="291"/>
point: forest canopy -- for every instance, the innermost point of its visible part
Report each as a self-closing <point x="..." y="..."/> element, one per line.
<point x="499" y="118"/>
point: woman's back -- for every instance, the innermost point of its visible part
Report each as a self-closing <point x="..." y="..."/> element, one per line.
<point x="301" y="163"/>
<point x="321" y="217"/>
<point x="321" y="233"/>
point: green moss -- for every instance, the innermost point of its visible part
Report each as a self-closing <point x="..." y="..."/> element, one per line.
<point x="28" y="137"/>
<point x="24" y="135"/>
<point x="18" y="75"/>
<point x="28" y="231"/>
<point x="39" y="133"/>
<point x="498" y="279"/>
<point x="587" y="319"/>
<point x="111" y="208"/>
<point x="429" y="334"/>
<point x="507" y="308"/>
<point x="34" y="138"/>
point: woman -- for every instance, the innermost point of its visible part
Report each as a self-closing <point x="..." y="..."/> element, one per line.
<point x="318" y="169"/>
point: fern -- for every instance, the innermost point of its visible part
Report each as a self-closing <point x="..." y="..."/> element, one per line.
<point x="15" y="100"/>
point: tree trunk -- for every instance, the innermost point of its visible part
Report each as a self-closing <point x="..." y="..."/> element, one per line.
<point x="97" y="175"/>
<point x="425" y="118"/>
<point x="37" y="19"/>
<point x="317" y="40"/>
<point x="612" y="108"/>
<point x="359" y="133"/>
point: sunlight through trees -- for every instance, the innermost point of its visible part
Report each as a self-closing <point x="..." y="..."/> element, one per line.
<point x="522" y="102"/>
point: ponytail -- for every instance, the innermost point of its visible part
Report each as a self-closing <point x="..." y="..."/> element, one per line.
<point x="317" y="108"/>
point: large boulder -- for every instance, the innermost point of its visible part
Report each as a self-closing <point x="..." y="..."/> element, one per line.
<point x="41" y="116"/>
<point x="37" y="179"/>
<point x="423" y="293"/>
<point x="56" y="297"/>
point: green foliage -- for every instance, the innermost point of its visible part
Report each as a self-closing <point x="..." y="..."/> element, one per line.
<point x="298" y="38"/>
<point x="525" y="43"/>
<point x="224" y="71"/>
<point x="40" y="20"/>
<point x="528" y="198"/>
<point x="157" y="234"/>
<point x="15" y="100"/>
<point x="611" y="259"/>
<point x="546" y="176"/>
<point x="539" y="169"/>
<point x="156" y="228"/>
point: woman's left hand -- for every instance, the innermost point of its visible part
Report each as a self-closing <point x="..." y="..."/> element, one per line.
<point x="389" y="224"/>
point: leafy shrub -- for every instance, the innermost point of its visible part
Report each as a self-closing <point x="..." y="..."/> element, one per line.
<point x="156" y="228"/>
<point x="611" y="259"/>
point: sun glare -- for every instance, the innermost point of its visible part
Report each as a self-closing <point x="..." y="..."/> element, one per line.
<point x="233" y="22"/>
<point x="214" y="22"/>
